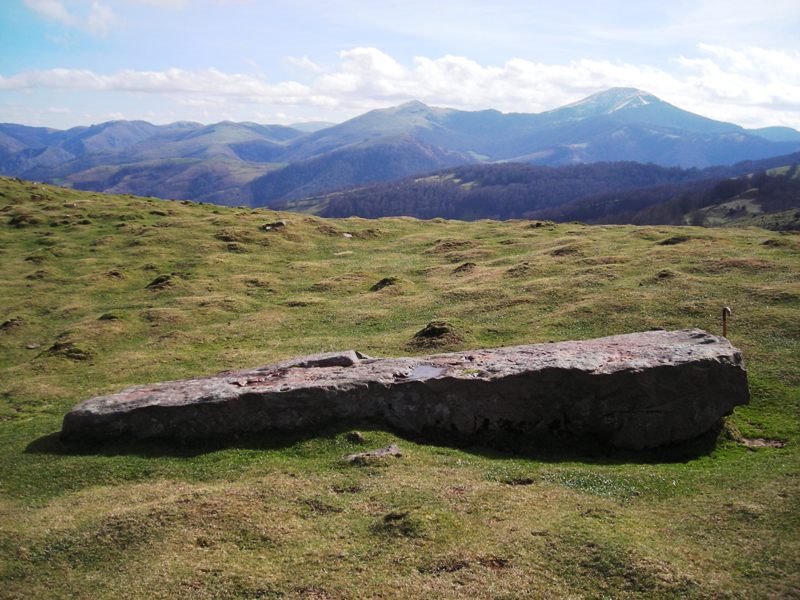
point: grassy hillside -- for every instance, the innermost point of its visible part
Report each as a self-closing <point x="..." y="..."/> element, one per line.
<point x="81" y="314"/>
<point x="761" y="206"/>
<point x="217" y="180"/>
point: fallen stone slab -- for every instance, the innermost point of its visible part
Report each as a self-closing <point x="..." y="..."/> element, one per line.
<point x="639" y="390"/>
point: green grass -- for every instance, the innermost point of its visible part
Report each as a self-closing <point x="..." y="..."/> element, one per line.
<point x="283" y="517"/>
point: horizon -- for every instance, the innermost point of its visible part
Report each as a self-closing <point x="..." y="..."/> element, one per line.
<point x="73" y="62"/>
<point x="300" y="124"/>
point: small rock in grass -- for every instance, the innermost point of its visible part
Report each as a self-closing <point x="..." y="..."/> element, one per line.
<point x="366" y="458"/>
<point x="277" y="225"/>
<point x="355" y="437"/>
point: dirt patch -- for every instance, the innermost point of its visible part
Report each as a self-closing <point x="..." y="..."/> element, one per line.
<point x="257" y="282"/>
<point x="384" y="283"/>
<point x="320" y="507"/>
<point x="235" y="248"/>
<point x="40" y="274"/>
<point x="326" y="229"/>
<point x="161" y="282"/>
<point x="355" y="437"/>
<point x="68" y="350"/>
<point x="163" y="315"/>
<point x="518" y="481"/>
<point x="302" y="303"/>
<point x="540" y="224"/>
<point x="234" y="235"/>
<point x="674" y="240"/>
<point x="437" y="334"/>
<point x="23" y="220"/>
<point x="321" y="286"/>
<point x="776" y="243"/>
<point x="12" y="323"/>
<point x="568" y="250"/>
<point x="346" y="489"/>
<point x="464" y="268"/>
<point x="368" y="234"/>
<point x="399" y="524"/>
<point x="522" y="269"/>
<point x="663" y="276"/>
<point x="447" y="246"/>
<point x="762" y="443"/>
<point x="449" y="565"/>
<point x="495" y="563"/>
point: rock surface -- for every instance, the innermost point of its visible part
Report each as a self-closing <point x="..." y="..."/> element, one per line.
<point x="366" y="458"/>
<point x="640" y="390"/>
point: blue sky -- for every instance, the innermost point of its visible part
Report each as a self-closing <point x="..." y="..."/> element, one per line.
<point x="77" y="62"/>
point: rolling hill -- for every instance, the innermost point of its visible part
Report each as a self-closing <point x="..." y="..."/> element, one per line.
<point x="183" y="160"/>
<point x="621" y="192"/>
<point x="101" y="292"/>
<point x="766" y="198"/>
<point x="260" y="165"/>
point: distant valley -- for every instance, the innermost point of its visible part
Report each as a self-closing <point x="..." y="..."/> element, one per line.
<point x="271" y="165"/>
<point x="764" y="193"/>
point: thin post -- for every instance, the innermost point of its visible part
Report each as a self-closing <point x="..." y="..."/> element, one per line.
<point x="726" y="312"/>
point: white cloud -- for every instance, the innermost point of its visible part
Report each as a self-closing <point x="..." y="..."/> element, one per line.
<point x="204" y="85"/>
<point x="751" y="86"/>
<point x="100" y="19"/>
<point x="185" y="3"/>
<point x="163" y="3"/>
<point x="97" y="19"/>
<point x="304" y="63"/>
<point x="54" y="10"/>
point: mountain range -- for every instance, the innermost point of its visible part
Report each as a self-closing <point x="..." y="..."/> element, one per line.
<point x="264" y="165"/>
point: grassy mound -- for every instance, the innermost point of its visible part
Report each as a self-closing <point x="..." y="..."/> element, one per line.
<point x="102" y="292"/>
<point x="437" y="335"/>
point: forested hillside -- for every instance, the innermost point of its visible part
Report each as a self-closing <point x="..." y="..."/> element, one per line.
<point x="622" y="192"/>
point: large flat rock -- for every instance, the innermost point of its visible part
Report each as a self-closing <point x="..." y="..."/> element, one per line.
<point x="640" y="390"/>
